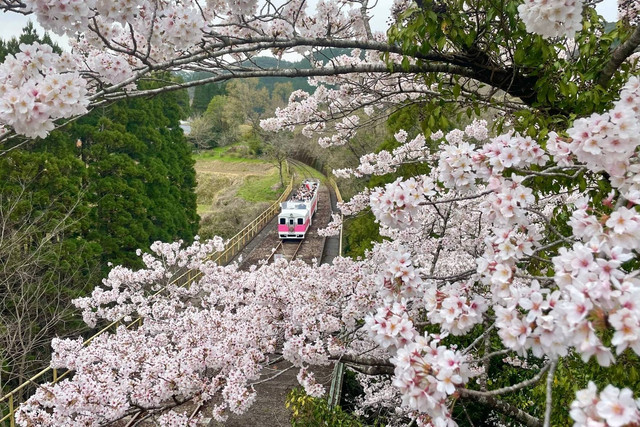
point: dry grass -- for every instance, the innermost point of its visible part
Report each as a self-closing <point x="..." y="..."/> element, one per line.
<point x="232" y="192"/>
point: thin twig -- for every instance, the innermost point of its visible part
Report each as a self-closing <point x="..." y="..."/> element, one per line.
<point x="477" y="340"/>
<point x="547" y="411"/>
<point x="273" y="376"/>
<point x="511" y="388"/>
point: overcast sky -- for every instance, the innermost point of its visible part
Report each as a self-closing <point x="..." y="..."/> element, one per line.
<point x="11" y="24"/>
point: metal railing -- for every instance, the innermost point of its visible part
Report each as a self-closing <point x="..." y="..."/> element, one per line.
<point x="333" y="185"/>
<point x="233" y="246"/>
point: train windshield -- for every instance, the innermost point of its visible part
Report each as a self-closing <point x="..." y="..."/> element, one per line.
<point x="300" y="221"/>
<point x="283" y="221"/>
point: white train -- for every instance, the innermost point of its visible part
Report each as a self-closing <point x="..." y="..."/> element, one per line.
<point x="296" y="214"/>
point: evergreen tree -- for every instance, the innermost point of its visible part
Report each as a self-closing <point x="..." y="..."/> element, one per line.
<point x="46" y="259"/>
<point x="203" y="94"/>
<point x="141" y="176"/>
<point x="28" y="36"/>
<point x="92" y="192"/>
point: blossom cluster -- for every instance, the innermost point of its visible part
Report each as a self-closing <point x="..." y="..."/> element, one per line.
<point x="64" y="17"/>
<point x="607" y="142"/>
<point x="391" y="326"/>
<point x="111" y="67"/>
<point x="357" y="203"/>
<point x="555" y="18"/>
<point x="592" y="282"/>
<point x="333" y="228"/>
<point x="378" y="394"/>
<point x="38" y="86"/>
<point x="308" y="381"/>
<point x="427" y="373"/>
<point x="455" y="307"/>
<point x="398" y="203"/>
<point x="611" y="407"/>
<point x="398" y="279"/>
<point x="385" y="162"/>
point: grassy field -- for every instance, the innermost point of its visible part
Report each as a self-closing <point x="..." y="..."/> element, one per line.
<point x="229" y="154"/>
<point x="232" y="189"/>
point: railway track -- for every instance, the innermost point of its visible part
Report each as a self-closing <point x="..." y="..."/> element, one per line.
<point x="267" y="245"/>
<point x="287" y="249"/>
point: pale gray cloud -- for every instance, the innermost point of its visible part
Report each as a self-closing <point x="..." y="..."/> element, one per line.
<point x="11" y="25"/>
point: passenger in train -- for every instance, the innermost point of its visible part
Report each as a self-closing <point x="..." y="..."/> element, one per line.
<point x="305" y="192"/>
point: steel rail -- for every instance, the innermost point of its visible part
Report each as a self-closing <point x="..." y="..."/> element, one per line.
<point x="296" y="251"/>
<point x="274" y="251"/>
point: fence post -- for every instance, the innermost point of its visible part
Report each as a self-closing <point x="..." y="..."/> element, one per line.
<point x="12" y="414"/>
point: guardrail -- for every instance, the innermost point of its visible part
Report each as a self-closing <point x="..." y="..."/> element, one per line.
<point x="233" y="246"/>
<point x="333" y="185"/>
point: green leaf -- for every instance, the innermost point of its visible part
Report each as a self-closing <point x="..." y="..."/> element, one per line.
<point x="456" y="90"/>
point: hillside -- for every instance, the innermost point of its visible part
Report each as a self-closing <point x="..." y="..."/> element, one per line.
<point x="232" y="189"/>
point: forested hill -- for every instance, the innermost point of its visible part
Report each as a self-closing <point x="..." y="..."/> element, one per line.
<point x="202" y="95"/>
<point x="269" y="82"/>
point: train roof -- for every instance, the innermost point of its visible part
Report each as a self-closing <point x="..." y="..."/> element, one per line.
<point x="295" y="205"/>
<point x="293" y="212"/>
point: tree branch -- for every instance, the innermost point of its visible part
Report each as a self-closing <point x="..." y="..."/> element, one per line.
<point x="279" y="72"/>
<point x="503" y="407"/>
<point x="367" y="365"/>
<point x="512" y="388"/>
<point x="549" y="399"/>
<point x="619" y="55"/>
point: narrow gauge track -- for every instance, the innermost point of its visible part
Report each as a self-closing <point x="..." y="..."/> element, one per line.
<point x="266" y="245"/>
<point x="304" y="170"/>
<point x="287" y="249"/>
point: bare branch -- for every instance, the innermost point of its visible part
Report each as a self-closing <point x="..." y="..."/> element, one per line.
<point x="619" y="55"/>
<point x="503" y="407"/>
<point x="511" y="388"/>
<point x="549" y="402"/>
<point x="487" y="331"/>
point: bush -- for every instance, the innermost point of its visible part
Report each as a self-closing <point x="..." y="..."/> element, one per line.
<point x="310" y="411"/>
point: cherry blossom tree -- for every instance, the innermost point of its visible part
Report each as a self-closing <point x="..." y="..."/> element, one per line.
<point x="519" y="244"/>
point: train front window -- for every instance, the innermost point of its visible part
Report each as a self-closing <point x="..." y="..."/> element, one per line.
<point x="300" y="221"/>
<point x="283" y="221"/>
<point x="291" y="221"/>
